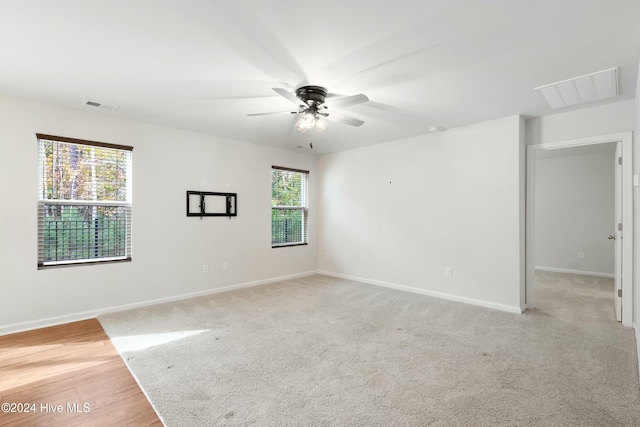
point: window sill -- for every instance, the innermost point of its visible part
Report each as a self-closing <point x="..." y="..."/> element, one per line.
<point x="288" y="245"/>
<point x="81" y="263"/>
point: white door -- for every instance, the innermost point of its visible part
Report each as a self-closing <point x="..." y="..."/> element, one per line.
<point x="617" y="235"/>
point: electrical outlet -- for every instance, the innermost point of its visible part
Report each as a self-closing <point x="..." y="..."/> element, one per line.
<point x="448" y="271"/>
<point x="580" y="255"/>
<point x="225" y="265"/>
<point x="205" y="268"/>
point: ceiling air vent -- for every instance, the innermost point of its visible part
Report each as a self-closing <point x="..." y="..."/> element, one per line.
<point x="100" y="105"/>
<point x="580" y="90"/>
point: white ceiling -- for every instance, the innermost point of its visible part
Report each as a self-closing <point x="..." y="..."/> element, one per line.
<point x="203" y="65"/>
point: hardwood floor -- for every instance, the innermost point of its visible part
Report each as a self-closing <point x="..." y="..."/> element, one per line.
<point x="68" y="375"/>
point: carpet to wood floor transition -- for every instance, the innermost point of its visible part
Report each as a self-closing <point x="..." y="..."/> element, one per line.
<point x="68" y="375"/>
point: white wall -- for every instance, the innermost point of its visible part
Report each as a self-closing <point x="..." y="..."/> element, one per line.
<point x="168" y="248"/>
<point x="575" y="196"/>
<point x="586" y="122"/>
<point x="399" y="213"/>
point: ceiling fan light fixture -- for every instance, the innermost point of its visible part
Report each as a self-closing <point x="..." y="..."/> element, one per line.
<point x="302" y="124"/>
<point x="299" y="126"/>
<point x="309" y="120"/>
<point x="321" y="124"/>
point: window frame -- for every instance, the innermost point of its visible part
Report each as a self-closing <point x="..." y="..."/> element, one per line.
<point x="304" y="209"/>
<point x="44" y="202"/>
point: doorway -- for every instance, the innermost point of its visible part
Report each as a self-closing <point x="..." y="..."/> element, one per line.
<point x="623" y="192"/>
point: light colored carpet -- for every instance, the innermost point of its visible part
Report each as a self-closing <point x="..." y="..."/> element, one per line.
<point x="321" y="351"/>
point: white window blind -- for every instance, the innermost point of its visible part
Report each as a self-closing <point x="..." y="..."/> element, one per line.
<point x="84" y="201"/>
<point x="289" y="207"/>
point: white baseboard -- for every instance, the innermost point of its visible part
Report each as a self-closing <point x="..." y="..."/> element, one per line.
<point x="84" y="315"/>
<point x="442" y="295"/>
<point x="584" y="273"/>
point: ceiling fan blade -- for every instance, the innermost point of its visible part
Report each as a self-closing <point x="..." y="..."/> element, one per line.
<point x="349" y="100"/>
<point x="347" y="120"/>
<point x="245" y="31"/>
<point x="288" y="95"/>
<point x="273" y="112"/>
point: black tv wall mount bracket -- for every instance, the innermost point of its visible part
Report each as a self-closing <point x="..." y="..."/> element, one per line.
<point x="207" y="203"/>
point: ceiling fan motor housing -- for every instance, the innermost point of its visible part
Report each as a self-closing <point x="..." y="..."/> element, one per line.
<point x="312" y="95"/>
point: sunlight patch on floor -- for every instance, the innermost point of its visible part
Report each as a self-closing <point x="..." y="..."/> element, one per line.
<point x="142" y="342"/>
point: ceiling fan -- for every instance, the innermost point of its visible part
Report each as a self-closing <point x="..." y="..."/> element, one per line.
<point x="311" y="104"/>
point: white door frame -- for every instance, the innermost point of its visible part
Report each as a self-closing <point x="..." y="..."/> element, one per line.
<point x="617" y="234"/>
<point x="626" y="138"/>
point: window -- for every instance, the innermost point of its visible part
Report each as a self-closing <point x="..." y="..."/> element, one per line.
<point x="289" y="209"/>
<point x="84" y="201"/>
